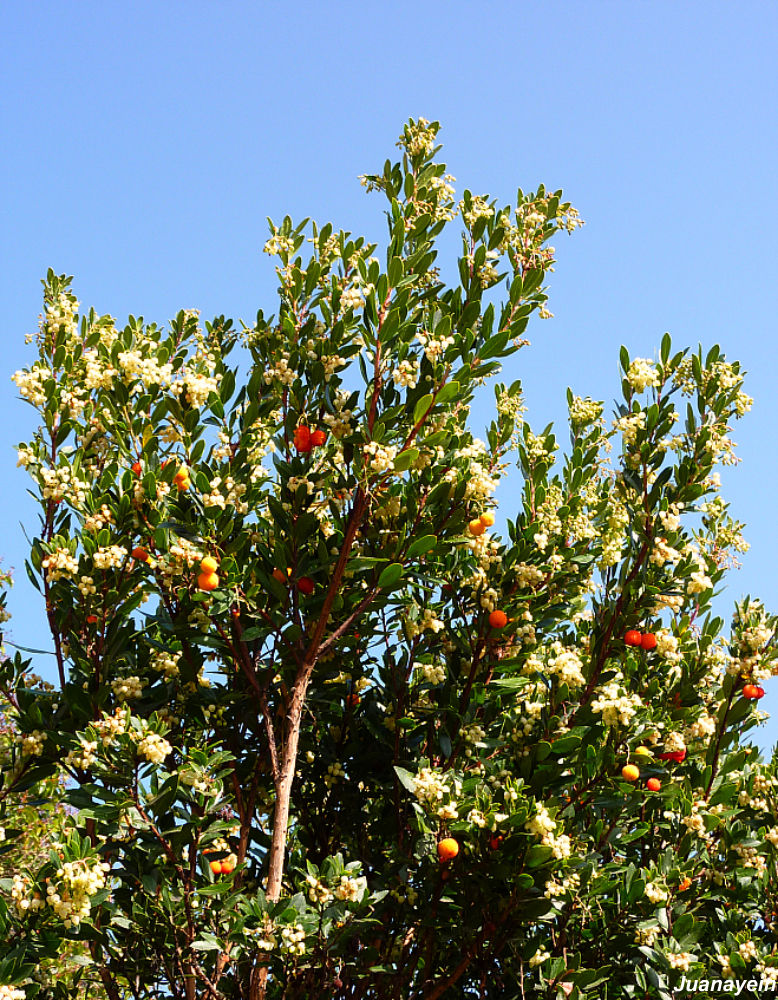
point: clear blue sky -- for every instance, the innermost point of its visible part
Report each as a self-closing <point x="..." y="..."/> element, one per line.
<point x="144" y="145"/>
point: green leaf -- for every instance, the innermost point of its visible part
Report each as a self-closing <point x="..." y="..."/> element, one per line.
<point x="424" y="544"/>
<point x="421" y="407"/>
<point x="405" y="459"/>
<point x="407" y="780"/>
<point x="390" y="576"/>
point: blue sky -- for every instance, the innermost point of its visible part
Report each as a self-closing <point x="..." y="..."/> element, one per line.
<point x="145" y="144"/>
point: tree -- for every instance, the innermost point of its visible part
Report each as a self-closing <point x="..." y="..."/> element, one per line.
<point x="328" y="734"/>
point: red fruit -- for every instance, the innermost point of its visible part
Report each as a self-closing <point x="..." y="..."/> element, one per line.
<point x="216" y="867"/>
<point x="760" y="691"/>
<point x="302" y="438"/>
<point x="352" y="700"/>
<point x="653" y="784"/>
<point x="498" y="619"/>
<point x="318" y="437"/>
<point x="495" y="842"/>
<point x="137" y="468"/>
<point x="92" y="619"/>
<point x="753" y="692"/>
<point x="679" y="756"/>
<point x="305" y="585"/>
<point x="632" y="637"/>
<point x="140" y="554"/>
<point x="648" y="640"/>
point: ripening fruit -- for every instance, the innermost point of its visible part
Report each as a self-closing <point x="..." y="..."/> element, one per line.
<point x="181" y="479"/>
<point x="208" y="565"/>
<point x="448" y="849"/>
<point x="498" y="619"/>
<point x="137" y="468"/>
<point x="648" y="640"/>
<point x="278" y="574"/>
<point x="630" y="772"/>
<point x="642" y="752"/>
<point x="216" y="867"/>
<point x="302" y="438"/>
<point x="228" y="864"/>
<point x="653" y="784"/>
<point x="92" y="619"/>
<point x="352" y="700"/>
<point x="318" y="437"/>
<point x="476" y="526"/>
<point x="495" y="841"/>
<point x="753" y="692"/>
<point x="487" y="519"/>
<point x="679" y="756"/>
<point x="140" y="554"/>
<point x="208" y="581"/>
<point x="305" y="585"/>
<point x="632" y="637"/>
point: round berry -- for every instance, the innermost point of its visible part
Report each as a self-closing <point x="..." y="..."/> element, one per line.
<point x="648" y="640"/>
<point x="305" y="585"/>
<point x="632" y="637"/>
<point x="498" y="619"/>
<point x="448" y="849"/>
<point x="654" y="784"/>
<point x="630" y="772"/>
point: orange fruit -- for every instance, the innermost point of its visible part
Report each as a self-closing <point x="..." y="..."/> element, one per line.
<point x="318" y="437"/>
<point x="630" y="772"/>
<point x="302" y="438"/>
<point x="632" y="637"/>
<point x="448" y="849"/>
<point x="498" y="619"/>
<point x="137" y="468"/>
<point x="654" y="784"/>
<point x="216" y="867"/>
<point x="140" y="554"/>
<point x="476" y="526"/>
<point x="181" y="479"/>
<point x="278" y="574"/>
<point x="208" y="581"/>
<point x="487" y="519"/>
<point x="208" y="565"/>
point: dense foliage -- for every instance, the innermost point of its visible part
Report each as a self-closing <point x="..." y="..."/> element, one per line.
<point x="325" y="732"/>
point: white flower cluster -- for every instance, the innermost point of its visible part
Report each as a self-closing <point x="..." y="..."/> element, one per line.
<point x="59" y="564"/>
<point x="166" y="663"/>
<point x="540" y="956"/>
<point x="585" y="411"/>
<point x="126" y="688"/>
<point x="25" y="900"/>
<point x="662" y="553"/>
<point x="529" y="576"/>
<point x="629" y="426"/>
<point x="380" y="459"/>
<point x="318" y="893"/>
<point x="698" y="582"/>
<point x="655" y="893"/>
<point x="680" y="960"/>
<point x="154" y="748"/>
<point x="61" y="483"/>
<point x="32" y="743"/>
<point x="340" y="422"/>
<point x="351" y="890"/>
<point x="293" y="939"/>
<point x="80" y="880"/>
<point x="642" y="374"/>
<point x="556" y="887"/>
<point x="110" y="726"/>
<point x="352" y="298"/>
<point x="280" y="372"/>
<point x="542" y="826"/>
<point x="434" y="347"/>
<point x="12" y="993"/>
<point x="431" y="788"/>
<point x="83" y="755"/>
<point x="407" y="373"/>
<point x="613" y="703"/>
<point x="433" y="673"/>
<point x="565" y="664"/>
<point x="109" y="557"/>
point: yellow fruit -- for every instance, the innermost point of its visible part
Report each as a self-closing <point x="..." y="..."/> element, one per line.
<point x="630" y="772"/>
<point x="487" y="519"/>
<point x="642" y="752"/>
<point x="181" y="479"/>
<point x="208" y="565"/>
<point x="477" y="527"/>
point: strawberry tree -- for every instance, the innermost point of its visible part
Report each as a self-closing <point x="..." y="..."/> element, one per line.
<point x="326" y="732"/>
